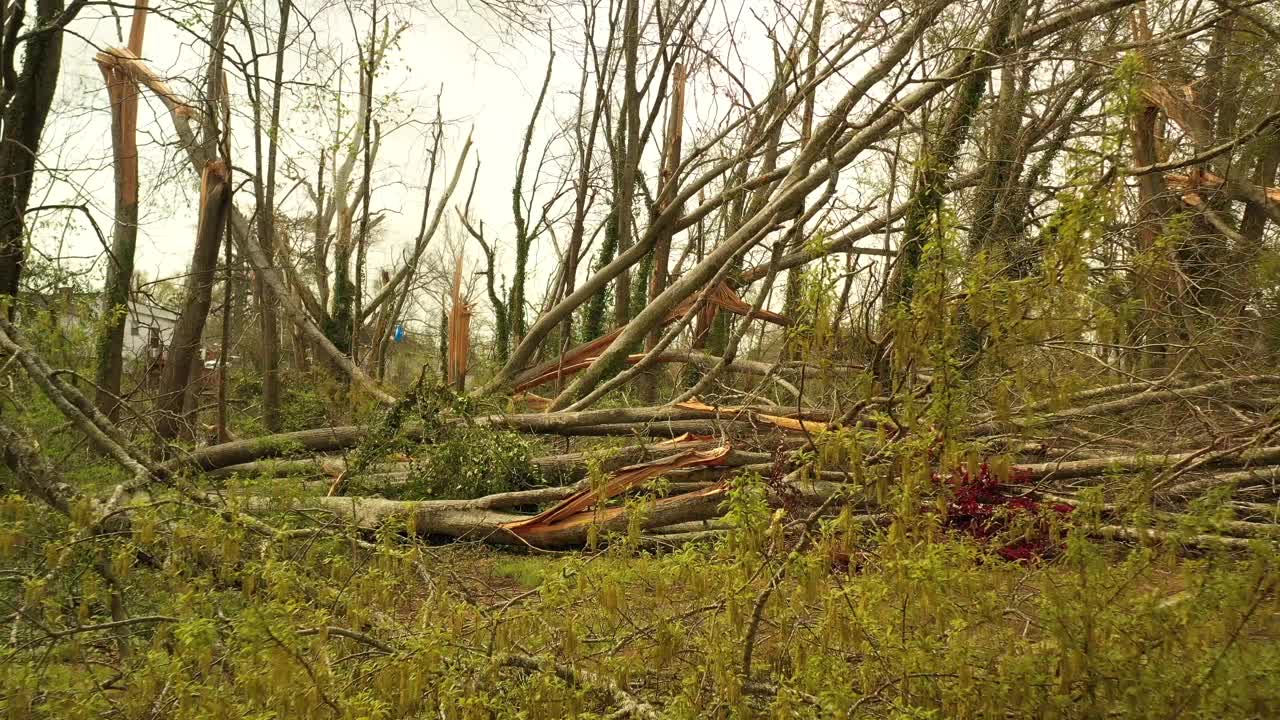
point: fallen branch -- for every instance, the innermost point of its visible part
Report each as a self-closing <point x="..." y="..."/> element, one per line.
<point x="1147" y="535"/>
<point x="1238" y="479"/>
<point x="720" y="297"/>
<point x="1125" y="404"/>
<point x="1233" y="528"/>
<point x="243" y="451"/>
<point x="1133" y="463"/>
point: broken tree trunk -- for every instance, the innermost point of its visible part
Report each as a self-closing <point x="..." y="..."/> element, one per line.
<point x="123" y="95"/>
<point x="563" y="467"/>
<point x="663" y="420"/>
<point x="458" y="521"/>
<point x="459" y="332"/>
<point x="215" y="201"/>
<point x="182" y="115"/>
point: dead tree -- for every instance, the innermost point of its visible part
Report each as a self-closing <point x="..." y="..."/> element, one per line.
<point x="123" y="93"/>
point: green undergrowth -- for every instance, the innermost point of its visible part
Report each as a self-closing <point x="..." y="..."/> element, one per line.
<point x="904" y="622"/>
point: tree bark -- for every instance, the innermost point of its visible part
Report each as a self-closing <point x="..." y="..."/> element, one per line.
<point x="215" y="202"/>
<point x="269" y="326"/>
<point x="524" y="235"/>
<point x="1133" y="463"/>
<point x="630" y="153"/>
<point x="123" y="94"/>
<point x="666" y="196"/>
<point x="24" y="121"/>
<point x="935" y="166"/>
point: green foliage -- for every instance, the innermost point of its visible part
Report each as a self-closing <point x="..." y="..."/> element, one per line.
<point x="640" y="283"/>
<point x="526" y="572"/>
<point x="470" y="462"/>
<point x="424" y="406"/>
<point x="302" y="406"/>
<point x="451" y="458"/>
<point x="1126" y="85"/>
<point x="338" y="327"/>
<point x="909" y="624"/>
<point x="593" y="321"/>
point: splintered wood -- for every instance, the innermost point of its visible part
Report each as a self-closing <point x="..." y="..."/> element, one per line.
<point x="127" y="62"/>
<point x="459" y="331"/>
<point x="586" y="507"/>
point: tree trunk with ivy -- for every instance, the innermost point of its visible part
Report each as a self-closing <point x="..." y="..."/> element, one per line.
<point x="29" y="93"/>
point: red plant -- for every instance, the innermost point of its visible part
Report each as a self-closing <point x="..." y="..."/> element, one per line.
<point x="980" y="509"/>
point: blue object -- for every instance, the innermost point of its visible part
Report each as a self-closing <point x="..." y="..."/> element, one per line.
<point x="398" y="336"/>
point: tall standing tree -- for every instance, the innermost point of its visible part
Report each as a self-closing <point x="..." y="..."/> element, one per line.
<point x="26" y="95"/>
<point x="265" y="215"/>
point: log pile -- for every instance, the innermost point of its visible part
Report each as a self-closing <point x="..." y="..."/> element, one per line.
<point x="1047" y="454"/>
<point x="1055" y="468"/>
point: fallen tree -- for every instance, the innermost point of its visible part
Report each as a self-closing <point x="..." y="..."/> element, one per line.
<point x="582" y="512"/>
<point x="669" y="421"/>
<point x="1136" y="396"/>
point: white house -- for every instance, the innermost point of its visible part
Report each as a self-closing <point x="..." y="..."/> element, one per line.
<point x="147" y="325"/>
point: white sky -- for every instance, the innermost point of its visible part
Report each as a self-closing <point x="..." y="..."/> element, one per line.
<point x="491" y="88"/>
<point x="488" y="79"/>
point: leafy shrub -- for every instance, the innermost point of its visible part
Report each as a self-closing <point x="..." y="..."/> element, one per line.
<point x="302" y="406"/>
<point x="451" y="459"/>
<point x="472" y="462"/>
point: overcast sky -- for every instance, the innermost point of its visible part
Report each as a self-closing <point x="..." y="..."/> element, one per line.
<point x="487" y="77"/>
<point x="487" y="81"/>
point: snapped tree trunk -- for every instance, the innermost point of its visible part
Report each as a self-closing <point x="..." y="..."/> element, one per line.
<point x="1158" y="281"/>
<point x="123" y="94"/>
<point x="215" y="203"/>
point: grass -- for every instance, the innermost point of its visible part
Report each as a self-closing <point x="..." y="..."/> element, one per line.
<point x="527" y="573"/>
